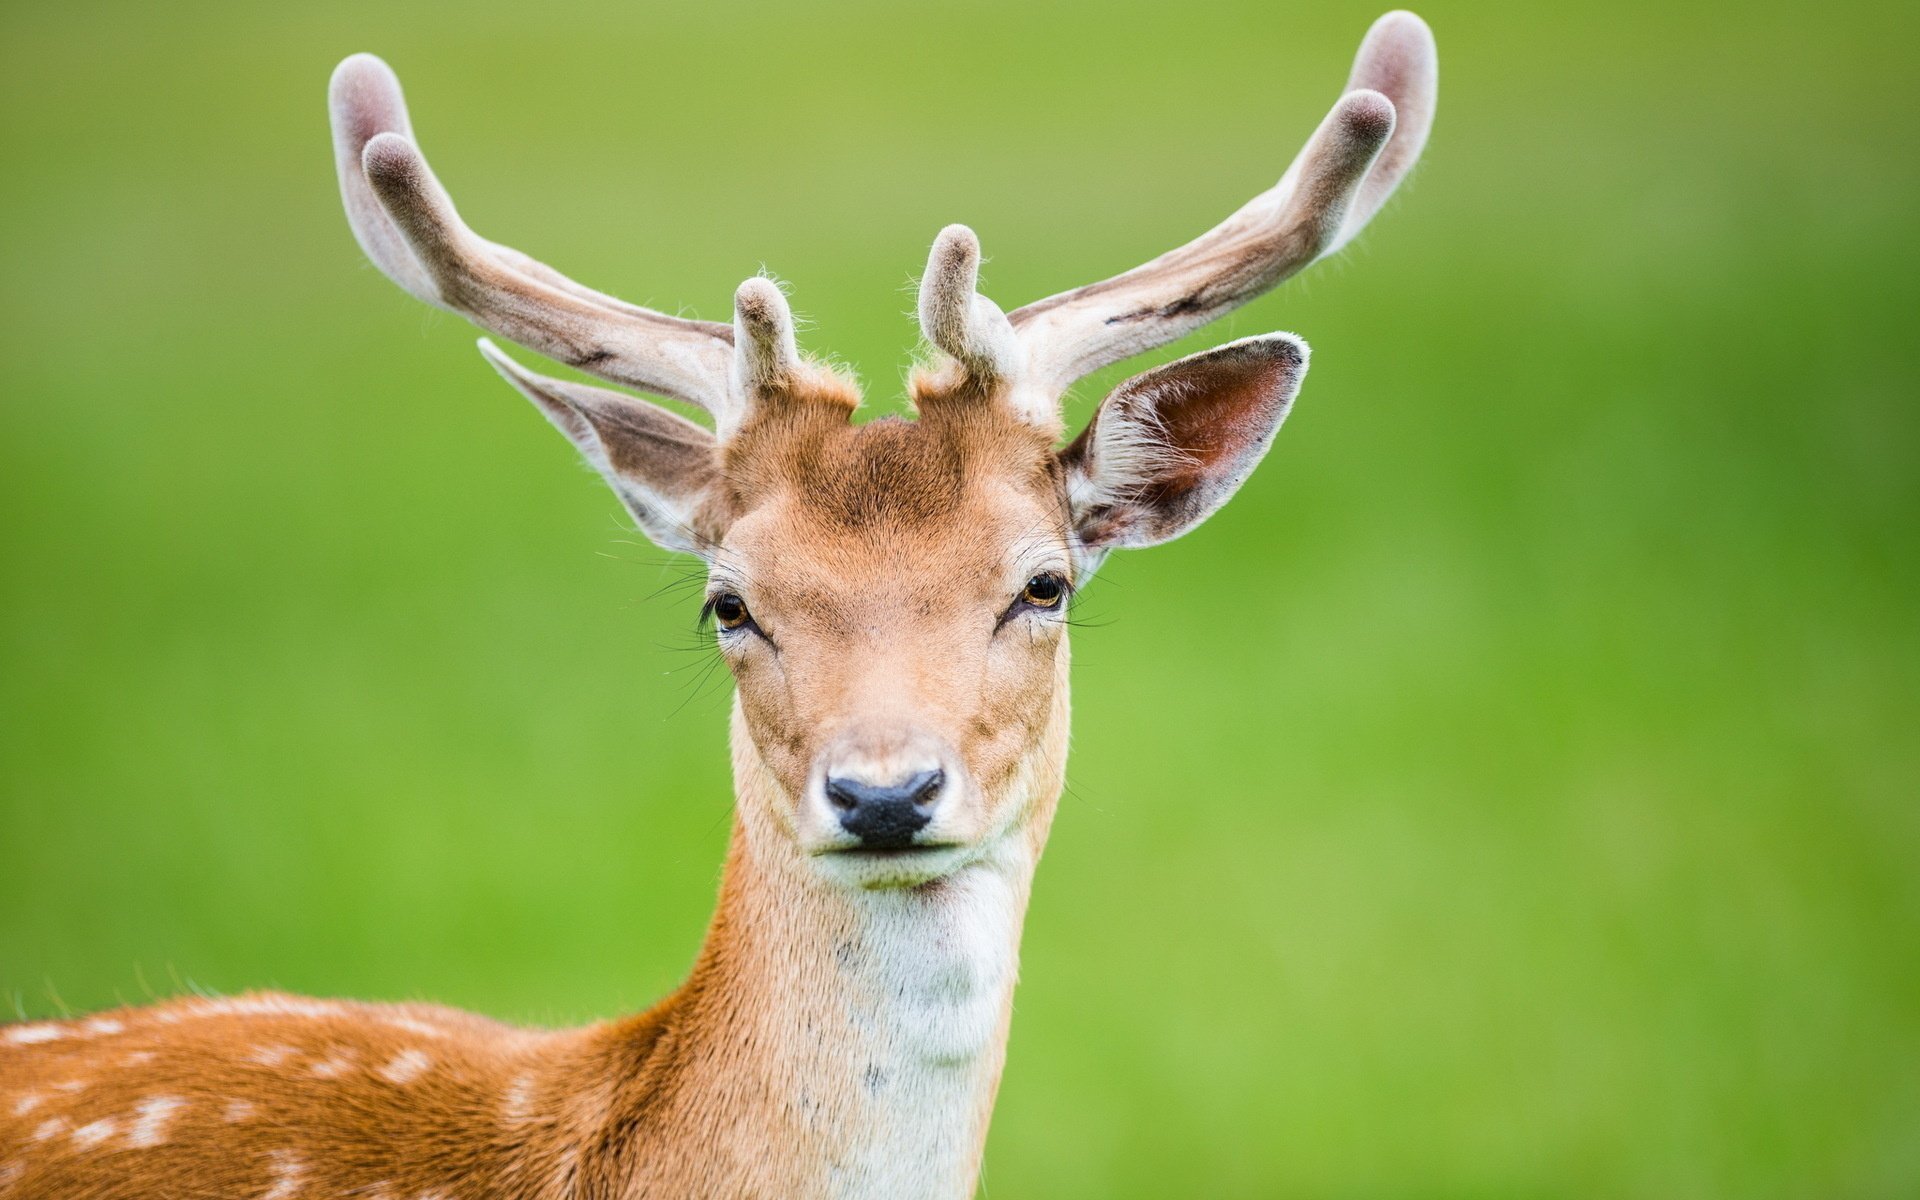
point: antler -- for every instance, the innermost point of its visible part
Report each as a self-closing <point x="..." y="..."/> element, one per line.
<point x="956" y="317"/>
<point x="406" y="223"/>
<point x="1360" y="153"/>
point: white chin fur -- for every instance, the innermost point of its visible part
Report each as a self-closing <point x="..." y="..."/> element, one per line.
<point x="873" y="871"/>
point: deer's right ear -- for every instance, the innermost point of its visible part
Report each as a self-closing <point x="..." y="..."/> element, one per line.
<point x="664" y="468"/>
<point x="1170" y="446"/>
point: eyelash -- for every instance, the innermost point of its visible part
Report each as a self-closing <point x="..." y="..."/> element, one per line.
<point x="1022" y="604"/>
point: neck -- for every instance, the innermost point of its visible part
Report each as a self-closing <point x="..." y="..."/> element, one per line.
<point x="834" y="1042"/>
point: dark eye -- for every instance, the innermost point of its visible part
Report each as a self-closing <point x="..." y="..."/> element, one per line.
<point x="729" y="610"/>
<point x="1044" y="591"/>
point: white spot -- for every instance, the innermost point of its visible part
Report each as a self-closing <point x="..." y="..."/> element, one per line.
<point x="405" y="1067"/>
<point x="238" y="1110"/>
<point x="153" y="1116"/>
<point x="49" y="1129"/>
<point x="270" y="1056"/>
<point x="103" y="1025"/>
<point x="519" y="1098"/>
<point x="94" y="1132"/>
<point x="71" y="1085"/>
<point x="26" y="1035"/>
<point x="287" y="1170"/>
<point x="26" y="1104"/>
<point x="263" y="1006"/>
<point x="139" y="1058"/>
<point x="247" y="1006"/>
<point x="334" y="1066"/>
<point x="414" y="1025"/>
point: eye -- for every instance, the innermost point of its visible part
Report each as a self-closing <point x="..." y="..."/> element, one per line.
<point x="729" y="610"/>
<point x="1044" y="591"/>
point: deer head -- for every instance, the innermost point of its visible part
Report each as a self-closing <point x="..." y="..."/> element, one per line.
<point x="891" y="596"/>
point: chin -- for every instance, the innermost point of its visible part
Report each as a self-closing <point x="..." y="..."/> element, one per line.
<point x="889" y="870"/>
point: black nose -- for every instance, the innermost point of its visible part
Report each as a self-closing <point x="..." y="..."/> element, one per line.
<point x="886" y="818"/>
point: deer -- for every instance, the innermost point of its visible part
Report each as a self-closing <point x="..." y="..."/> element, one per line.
<point x="891" y="599"/>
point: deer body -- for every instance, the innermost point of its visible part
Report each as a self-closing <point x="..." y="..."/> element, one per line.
<point x="889" y="598"/>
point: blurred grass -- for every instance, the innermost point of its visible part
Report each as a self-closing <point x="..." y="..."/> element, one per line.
<point x="1511" y="794"/>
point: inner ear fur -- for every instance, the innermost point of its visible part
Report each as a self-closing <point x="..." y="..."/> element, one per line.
<point x="1168" y="447"/>
<point x="664" y="468"/>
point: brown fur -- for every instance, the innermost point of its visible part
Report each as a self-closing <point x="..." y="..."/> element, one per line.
<point x="310" y="1076"/>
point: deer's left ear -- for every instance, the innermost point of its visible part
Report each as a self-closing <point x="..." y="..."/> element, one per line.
<point x="1169" y="447"/>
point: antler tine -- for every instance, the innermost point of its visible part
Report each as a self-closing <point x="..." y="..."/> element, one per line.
<point x="364" y="100"/>
<point x="407" y="224"/>
<point x="1361" y="151"/>
<point x="765" y="356"/>
<point x="954" y="315"/>
<point x="1398" y="59"/>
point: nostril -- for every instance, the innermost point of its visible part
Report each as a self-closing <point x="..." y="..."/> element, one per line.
<point x="842" y="795"/>
<point x="924" y="788"/>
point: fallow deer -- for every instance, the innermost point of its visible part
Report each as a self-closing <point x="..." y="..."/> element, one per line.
<point x="890" y="599"/>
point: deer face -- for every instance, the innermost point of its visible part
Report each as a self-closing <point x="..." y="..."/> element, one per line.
<point x="891" y="596"/>
<point x="892" y="601"/>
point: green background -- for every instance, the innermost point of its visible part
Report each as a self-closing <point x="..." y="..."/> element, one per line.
<point x="1513" y="793"/>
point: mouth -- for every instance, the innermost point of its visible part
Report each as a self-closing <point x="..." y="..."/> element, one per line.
<point x="892" y="867"/>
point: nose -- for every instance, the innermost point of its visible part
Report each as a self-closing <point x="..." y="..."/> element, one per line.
<point x="885" y="818"/>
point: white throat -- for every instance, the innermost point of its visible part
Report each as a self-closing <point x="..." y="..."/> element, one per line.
<point x="890" y="1012"/>
<point x="929" y="987"/>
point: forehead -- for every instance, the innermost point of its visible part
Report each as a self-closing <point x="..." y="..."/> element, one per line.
<point x="932" y="497"/>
